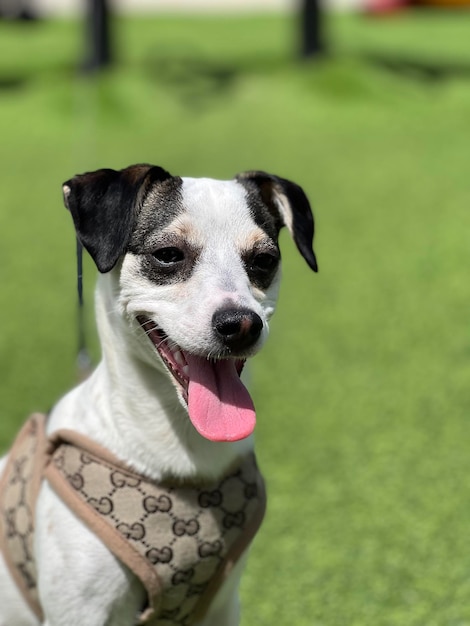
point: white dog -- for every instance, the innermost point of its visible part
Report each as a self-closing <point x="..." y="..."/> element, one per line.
<point x="189" y="277"/>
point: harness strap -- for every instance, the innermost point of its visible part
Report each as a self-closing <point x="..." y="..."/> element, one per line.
<point x="19" y="488"/>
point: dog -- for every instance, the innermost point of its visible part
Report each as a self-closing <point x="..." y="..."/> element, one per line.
<point x="189" y="272"/>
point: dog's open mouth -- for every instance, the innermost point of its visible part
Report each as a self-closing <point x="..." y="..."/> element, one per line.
<point x="219" y="405"/>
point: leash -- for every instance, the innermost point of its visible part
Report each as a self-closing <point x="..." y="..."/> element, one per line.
<point x="83" y="357"/>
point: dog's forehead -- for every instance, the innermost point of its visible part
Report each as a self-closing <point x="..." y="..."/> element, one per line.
<point x="216" y="198"/>
<point x="224" y="207"/>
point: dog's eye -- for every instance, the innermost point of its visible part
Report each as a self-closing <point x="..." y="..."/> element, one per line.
<point x="264" y="262"/>
<point x="168" y="256"/>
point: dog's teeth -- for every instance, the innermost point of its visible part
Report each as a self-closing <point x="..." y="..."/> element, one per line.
<point x="179" y="357"/>
<point x="186" y="370"/>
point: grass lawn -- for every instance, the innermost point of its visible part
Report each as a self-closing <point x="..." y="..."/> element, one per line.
<point x="363" y="390"/>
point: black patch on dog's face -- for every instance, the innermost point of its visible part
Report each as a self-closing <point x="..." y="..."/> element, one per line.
<point x="161" y="205"/>
<point x="165" y="257"/>
<point x="260" y="213"/>
<point x="172" y="261"/>
<point x="261" y="263"/>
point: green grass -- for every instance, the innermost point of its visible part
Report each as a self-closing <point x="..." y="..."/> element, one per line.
<point x="363" y="390"/>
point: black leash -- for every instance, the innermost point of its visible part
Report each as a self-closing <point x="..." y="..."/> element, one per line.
<point x="83" y="358"/>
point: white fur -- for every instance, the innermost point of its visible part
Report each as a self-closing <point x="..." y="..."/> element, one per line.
<point x="129" y="404"/>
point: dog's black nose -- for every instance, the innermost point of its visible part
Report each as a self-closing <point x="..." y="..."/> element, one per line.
<point x="238" y="328"/>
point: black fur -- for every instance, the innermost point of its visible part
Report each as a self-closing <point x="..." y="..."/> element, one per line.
<point x="162" y="204"/>
<point x="169" y="273"/>
<point x="267" y="187"/>
<point x="104" y="205"/>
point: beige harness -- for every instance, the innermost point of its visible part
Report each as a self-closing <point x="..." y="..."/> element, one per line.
<point x="180" y="540"/>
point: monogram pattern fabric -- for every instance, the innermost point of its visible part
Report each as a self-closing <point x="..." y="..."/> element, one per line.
<point x="183" y="533"/>
<point x="19" y="487"/>
<point x="180" y="540"/>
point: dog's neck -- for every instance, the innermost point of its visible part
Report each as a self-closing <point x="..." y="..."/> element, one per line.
<point x="132" y="408"/>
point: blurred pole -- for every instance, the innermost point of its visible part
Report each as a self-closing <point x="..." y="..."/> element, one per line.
<point x="312" y="30"/>
<point x="98" y="46"/>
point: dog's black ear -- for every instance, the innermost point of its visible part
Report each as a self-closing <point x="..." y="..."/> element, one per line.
<point x="104" y="206"/>
<point x="290" y="207"/>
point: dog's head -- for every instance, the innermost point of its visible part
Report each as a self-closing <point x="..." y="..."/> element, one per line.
<point x="198" y="263"/>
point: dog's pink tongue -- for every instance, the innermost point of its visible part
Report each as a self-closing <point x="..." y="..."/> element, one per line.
<point x="219" y="405"/>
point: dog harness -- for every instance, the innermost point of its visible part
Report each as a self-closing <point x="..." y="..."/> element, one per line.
<point x="179" y="539"/>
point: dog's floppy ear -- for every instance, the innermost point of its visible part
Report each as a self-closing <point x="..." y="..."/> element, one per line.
<point x="104" y="206"/>
<point x="290" y="207"/>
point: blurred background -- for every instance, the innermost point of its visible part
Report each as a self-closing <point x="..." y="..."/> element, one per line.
<point x="362" y="392"/>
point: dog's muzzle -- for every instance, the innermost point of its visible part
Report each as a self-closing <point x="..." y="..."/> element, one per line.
<point x="219" y="405"/>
